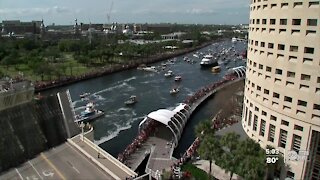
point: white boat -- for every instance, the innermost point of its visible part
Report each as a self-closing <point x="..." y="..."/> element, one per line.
<point x="178" y="78"/>
<point x="89" y="114"/>
<point x="209" y="61"/>
<point x="196" y="55"/>
<point x="174" y="91"/>
<point x="168" y="74"/>
<point x="150" y="69"/>
<point x="84" y="95"/>
<point x="234" y="39"/>
<point x="132" y="100"/>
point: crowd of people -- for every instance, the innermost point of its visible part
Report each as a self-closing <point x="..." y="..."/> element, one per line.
<point x="203" y="91"/>
<point x="220" y="122"/>
<point x="143" y="135"/>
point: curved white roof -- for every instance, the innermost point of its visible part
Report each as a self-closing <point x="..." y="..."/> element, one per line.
<point x="162" y="115"/>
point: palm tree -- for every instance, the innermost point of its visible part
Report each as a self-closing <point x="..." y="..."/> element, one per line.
<point x="210" y="149"/>
<point x="204" y="127"/>
<point x="230" y="159"/>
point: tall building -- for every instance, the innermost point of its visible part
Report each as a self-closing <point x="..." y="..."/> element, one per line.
<point x="282" y="90"/>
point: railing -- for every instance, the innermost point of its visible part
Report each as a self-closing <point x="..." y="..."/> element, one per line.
<point x="110" y="158"/>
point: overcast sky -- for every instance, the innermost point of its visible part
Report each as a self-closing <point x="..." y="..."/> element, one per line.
<point x="127" y="11"/>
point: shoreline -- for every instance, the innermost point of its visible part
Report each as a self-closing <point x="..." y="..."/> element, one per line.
<point x="43" y="86"/>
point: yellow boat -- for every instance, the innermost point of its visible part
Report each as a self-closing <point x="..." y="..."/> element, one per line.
<point x="216" y="69"/>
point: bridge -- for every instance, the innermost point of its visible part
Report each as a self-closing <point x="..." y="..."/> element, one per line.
<point x="160" y="131"/>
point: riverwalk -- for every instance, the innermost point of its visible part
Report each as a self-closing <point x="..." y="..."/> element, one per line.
<point x="160" y="151"/>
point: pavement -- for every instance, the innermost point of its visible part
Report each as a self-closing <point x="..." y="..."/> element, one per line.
<point x="62" y="162"/>
<point x="105" y="161"/>
<point x="216" y="171"/>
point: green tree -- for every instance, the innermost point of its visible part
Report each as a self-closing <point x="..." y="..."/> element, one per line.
<point x="210" y="147"/>
<point x="230" y="158"/>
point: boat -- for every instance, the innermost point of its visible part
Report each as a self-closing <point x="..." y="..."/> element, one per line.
<point x="216" y="69"/>
<point x="84" y="95"/>
<point x="234" y="39"/>
<point x="178" y="78"/>
<point x="89" y="114"/>
<point x="174" y="90"/>
<point x="132" y="100"/>
<point x="208" y="61"/>
<point x="168" y="74"/>
<point x="150" y="69"/>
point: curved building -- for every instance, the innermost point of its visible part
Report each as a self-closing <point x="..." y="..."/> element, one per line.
<point x="282" y="90"/>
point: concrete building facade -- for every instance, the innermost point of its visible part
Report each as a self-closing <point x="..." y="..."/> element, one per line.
<point x="282" y="90"/>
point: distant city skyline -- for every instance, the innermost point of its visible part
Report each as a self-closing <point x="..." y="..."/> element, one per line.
<point x="127" y="11"/>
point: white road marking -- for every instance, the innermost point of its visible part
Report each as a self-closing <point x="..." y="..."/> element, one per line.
<point x="19" y="174"/>
<point x="35" y="169"/>
<point x="76" y="169"/>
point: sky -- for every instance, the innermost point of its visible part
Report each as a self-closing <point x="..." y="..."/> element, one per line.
<point x="127" y="11"/>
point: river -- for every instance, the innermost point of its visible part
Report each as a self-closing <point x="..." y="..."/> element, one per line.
<point x="118" y="127"/>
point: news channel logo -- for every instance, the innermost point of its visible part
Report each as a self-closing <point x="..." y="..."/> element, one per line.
<point x="301" y="155"/>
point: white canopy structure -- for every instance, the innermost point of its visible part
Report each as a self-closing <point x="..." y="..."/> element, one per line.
<point x="240" y="71"/>
<point x="174" y="120"/>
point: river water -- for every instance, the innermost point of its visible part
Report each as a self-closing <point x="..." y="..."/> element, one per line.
<point x="118" y="127"/>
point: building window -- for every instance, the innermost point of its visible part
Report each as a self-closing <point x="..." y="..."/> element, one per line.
<point x="312" y="22"/>
<point x="294" y="48"/>
<point x="246" y="112"/>
<point x="270" y="45"/>
<point x="305" y="77"/>
<point x="281" y="46"/>
<point x="316" y="106"/>
<point x="290" y="175"/>
<point x="268" y="69"/>
<point x="297" y="4"/>
<point x="309" y="50"/>
<point x="296" y="143"/>
<point x="276" y="95"/>
<point x="283" y="122"/>
<point x="272" y="21"/>
<point x="249" y="119"/>
<point x="255" y="123"/>
<point x="283" y="138"/>
<point x="266" y="91"/>
<point x="260" y="66"/>
<point x="291" y="74"/>
<point x="296" y="22"/>
<point x="264" y="113"/>
<point x="287" y="99"/>
<point x="258" y="88"/>
<point x="283" y="21"/>
<point x="279" y="71"/>
<point x="284" y="5"/>
<point x="262" y="127"/>
<point x="297" y="127"/>
<point x="272" y="130"/>
<point x="302" y="103"/>
<point x="262" y="44"/>
<point x="314" y="4"/>
<point x="256" y="108"/>
<point x="264" y="21"/>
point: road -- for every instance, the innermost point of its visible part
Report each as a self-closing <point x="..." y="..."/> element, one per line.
<point x="61" y="162"/>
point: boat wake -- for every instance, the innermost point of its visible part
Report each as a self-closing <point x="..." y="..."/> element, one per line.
<point x="119" y="128"/>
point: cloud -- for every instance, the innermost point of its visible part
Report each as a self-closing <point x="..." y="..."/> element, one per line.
<point x="37" y="11"/>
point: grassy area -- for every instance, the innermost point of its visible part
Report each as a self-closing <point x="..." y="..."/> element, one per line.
<point x="196" y="173"/>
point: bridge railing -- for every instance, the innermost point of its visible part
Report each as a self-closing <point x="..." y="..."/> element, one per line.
<point x="110" y="158"/>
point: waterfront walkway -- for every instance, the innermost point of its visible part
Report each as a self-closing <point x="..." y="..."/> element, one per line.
<point x="161" y="149"/>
